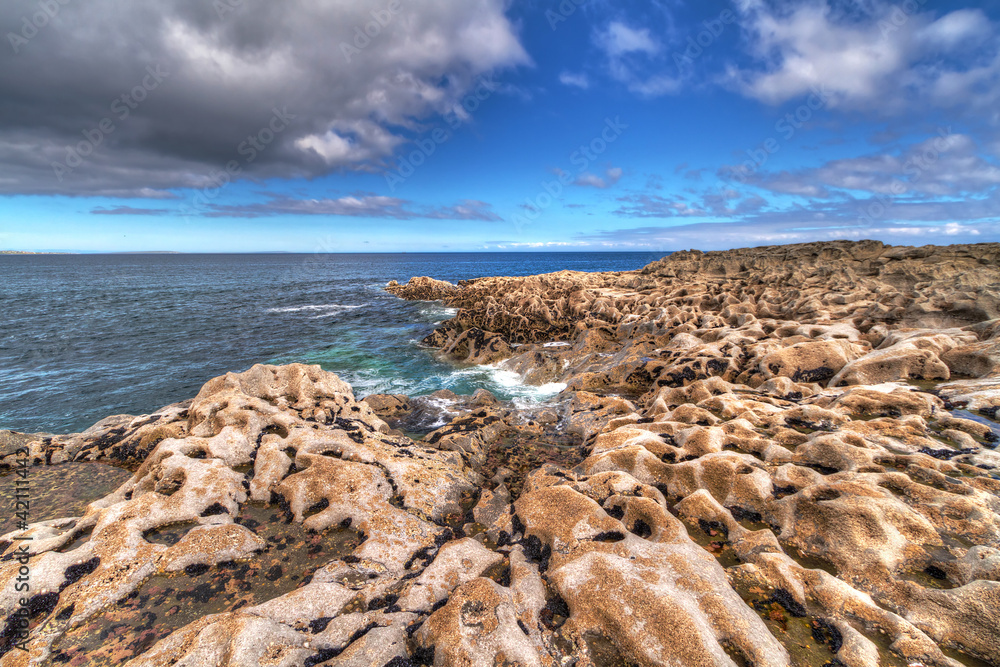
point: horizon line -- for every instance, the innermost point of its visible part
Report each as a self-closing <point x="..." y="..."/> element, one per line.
<point x="11" y="253"/>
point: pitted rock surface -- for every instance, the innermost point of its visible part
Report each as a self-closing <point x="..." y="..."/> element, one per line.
<point x="769" y="456"/>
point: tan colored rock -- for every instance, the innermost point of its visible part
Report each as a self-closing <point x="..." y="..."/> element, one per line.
<point x="457" y="563"/>
<point x="478" y="626"/>
<point x="388" y="405"/>
<point x="274" y="417"/>
<point x="422" y="289"/>
<point x="814" y="361"/>
<point x="900" y="362"/>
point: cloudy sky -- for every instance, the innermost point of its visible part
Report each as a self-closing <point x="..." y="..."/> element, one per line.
<point x="428" y="125"/>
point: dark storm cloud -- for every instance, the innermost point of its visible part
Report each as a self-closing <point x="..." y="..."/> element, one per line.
<point x="134" y="98"/>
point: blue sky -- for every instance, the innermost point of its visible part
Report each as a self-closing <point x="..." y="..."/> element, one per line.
<point x="483" y="125"/>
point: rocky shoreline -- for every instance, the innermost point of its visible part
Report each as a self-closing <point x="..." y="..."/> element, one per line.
<point x="769" y="456"/>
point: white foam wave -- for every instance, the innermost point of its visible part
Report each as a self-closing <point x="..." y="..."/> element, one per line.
<point x="321" y="310"/>
<point x="436" y="312"/>
<point x="445" y="413"/>
<point x="508" y="384"/>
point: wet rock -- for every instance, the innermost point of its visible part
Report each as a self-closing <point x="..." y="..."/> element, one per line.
<point x="389" y="406"/>
<point x="475" y="346"/>
<point x="323" y="458"/>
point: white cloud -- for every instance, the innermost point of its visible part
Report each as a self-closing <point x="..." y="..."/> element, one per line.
<point x="357" y="206"/>
<point x="656" y="86"/>
<point x="874" y="57"/>
<point x="630" y="52"/>
<point x="742" y="234"/>
<point x="619" y="39"/>
<point x="610" y="178"/>
<point x="964" y="27"/>
<point x="574" y="80"/>
<point x="944" y="166"/>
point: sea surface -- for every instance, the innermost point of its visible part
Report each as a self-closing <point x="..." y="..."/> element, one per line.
<point x="87" y="336"/>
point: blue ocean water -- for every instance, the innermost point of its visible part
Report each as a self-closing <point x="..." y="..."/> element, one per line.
<point x="87" y="336"/>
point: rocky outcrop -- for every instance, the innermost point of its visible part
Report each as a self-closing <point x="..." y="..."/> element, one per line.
<point x="423" y="289"/>
<point x="866" y="283"/>
<point x="759" y="467"/>
<point x="291" y="437"/>
<point x="771" y="456"/>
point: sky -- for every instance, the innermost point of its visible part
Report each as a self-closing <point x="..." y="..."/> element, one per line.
<point x="485" y="125"/>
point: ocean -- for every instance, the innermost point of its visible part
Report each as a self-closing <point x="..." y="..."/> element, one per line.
<point x="87" y="336"/>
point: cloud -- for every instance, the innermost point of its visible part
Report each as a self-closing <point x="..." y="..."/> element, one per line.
<point x="725" y="235"/>
<point x="357" y="206"/>
<point x="945" y="166"/>
<point x="940" y="180"/>
<point x="128" y="210"/>
<point x="618" y="39"/>
<point x="610" y="178"/>
<point x="574" y="80"/>
<point x="840" y="211"/>
<point x="872" y="56"/>
<point x="629" y="52"/>
<point x="655" y="86"/>
<point x="724" y="203"/>
<point x="354" y="98"/>
<point x="505" y="245"/>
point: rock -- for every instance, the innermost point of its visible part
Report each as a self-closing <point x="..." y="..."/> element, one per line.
<point x="478" y="626"/>
<point x="483" y="398"/>
<point x="813" y="361"/>
<point x="902" y="361"/>
<point x="475" y="346"/>
<point x="389" y="406"/>
<point x="658" y="599"/>
<point x="753" y="462"/>
<point x="422" y="289"/>
<point x="978" y="360"/>
<point x="310" y="444"/>
<point x="457" y="563"/>
<point x="888" y="400"/>
<point x="698" y="384"/>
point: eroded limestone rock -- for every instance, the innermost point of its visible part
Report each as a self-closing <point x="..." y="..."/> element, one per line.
<point x="770" y="456"/>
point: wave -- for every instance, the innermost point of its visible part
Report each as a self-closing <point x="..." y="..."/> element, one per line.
<point x="323" y="310"/>
<point x="436" y="313"/>
<point x="508" y="385"/>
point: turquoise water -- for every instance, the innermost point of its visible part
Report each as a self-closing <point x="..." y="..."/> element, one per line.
<point x="87" y="336"/>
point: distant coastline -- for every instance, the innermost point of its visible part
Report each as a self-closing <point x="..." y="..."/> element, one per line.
<point x="55" y="252"/>
<point x="661" y="253"/>
<point x="28" y="252"/>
